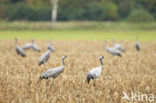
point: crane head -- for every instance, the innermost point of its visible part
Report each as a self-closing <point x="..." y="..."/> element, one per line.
<point x="16" y="38"/>
<point x="106" y="41"/>
<point x="121" y="41"/>
<point x="50" y="47"/>
<point x="43" y="76"/>
<point x="63" y="57"/>
<point x="101" y="57"/>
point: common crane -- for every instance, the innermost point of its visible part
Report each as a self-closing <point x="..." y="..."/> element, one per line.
<point x="112" y="51"/>
<point x="137" y="46"/>
<point x="19" y="50"/>
<point x="95" y="73"/>
<point x="53" y="72"/>
<point x="45" y="57"/>
<point x="118" y="46"/>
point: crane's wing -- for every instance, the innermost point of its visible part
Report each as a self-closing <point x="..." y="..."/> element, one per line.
<point x="137" y="46"/>
<point x="44" y="57"/>
<point x="96" y="71"/>
<point x="20" y="51"/>
<point x="54" y="72"/>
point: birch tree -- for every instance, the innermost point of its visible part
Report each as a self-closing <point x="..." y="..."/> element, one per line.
<point x="54" y="12"/>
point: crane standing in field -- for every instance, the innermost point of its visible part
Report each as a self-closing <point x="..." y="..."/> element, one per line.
<point x="112" y="51"/>
<point x="53" y="72"/>
<point x="45" y="57"/>
<point x="137" y="46"/>
<point x="19" y="50"/>
<point x="118" y="46"/>
<point x="95" y="73"/>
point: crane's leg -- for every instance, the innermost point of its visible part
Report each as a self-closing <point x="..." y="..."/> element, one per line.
<point x="38" y="81"/>
<point x="47" y="83"/>
<point x="52" y="83"/>
<point x="94" y="82"/>
<point x="44" y="64"/>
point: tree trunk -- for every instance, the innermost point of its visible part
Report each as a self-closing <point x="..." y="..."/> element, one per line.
<point x="54" y="12"/>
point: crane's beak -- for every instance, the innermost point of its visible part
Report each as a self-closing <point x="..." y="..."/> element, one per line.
<point x="39" y="80"/>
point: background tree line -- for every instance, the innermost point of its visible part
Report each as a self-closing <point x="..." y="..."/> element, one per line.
<point x="112" y="10"/>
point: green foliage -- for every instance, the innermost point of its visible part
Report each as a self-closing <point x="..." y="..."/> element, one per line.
<point x="3" y="9"/>
<point x="111" y="11"/>
<point x="70" y="13"/>
<point x="93" y="11"/>
<point x="140" y="15"/>
<point x="40" y="10"/>
<point x="21" y="11"/>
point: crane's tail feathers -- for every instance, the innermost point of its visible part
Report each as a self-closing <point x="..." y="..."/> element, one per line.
<point x="23" y="55"/>
<point x="138" y="49"/>
<point x="123" y="50"/>
<point x="119" y="55"/>
<point x="89" y="77"/>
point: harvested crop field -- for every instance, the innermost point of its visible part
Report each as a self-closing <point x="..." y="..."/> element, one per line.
<point x="134" y="71"/>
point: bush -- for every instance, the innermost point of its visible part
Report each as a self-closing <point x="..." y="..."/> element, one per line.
<point x="140" y="15"/>
<point x="111" y="11"/>
<point x="3" y="9"/>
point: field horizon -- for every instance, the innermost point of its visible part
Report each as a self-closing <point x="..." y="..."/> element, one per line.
<point x="78" y="35"/>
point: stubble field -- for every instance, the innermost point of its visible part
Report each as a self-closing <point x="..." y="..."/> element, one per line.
<point x="134" y="71"/>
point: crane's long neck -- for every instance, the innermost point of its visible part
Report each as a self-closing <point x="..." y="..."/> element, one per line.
<point x="32" y="41"/>
<point x="106" y="45"/>
<point x="136" y="39"/>
<point x="50" y="50"/>
<point x="15" y="41"/>
<point x="113" y="41"/>
<point x="120" y="41"/>
<point x="101" y="61"/>
<point x="63" y="62"/>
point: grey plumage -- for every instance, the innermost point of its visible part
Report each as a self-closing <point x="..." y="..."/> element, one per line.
<point x="50" y="46"/>
<point x="31" y="45"/>
<point x="113" y="50"/>
<point x="89" y="77"/>
<point x="118" y="46"/>
<point x="35" y="47"/>
<point x="95" y="72"/>
<point x="45" y="57"/>
<point x="19" y="50"/>
<point x="137" y="46"/>
<point x="53" y="72"/>
<point x="27" y="46"/>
